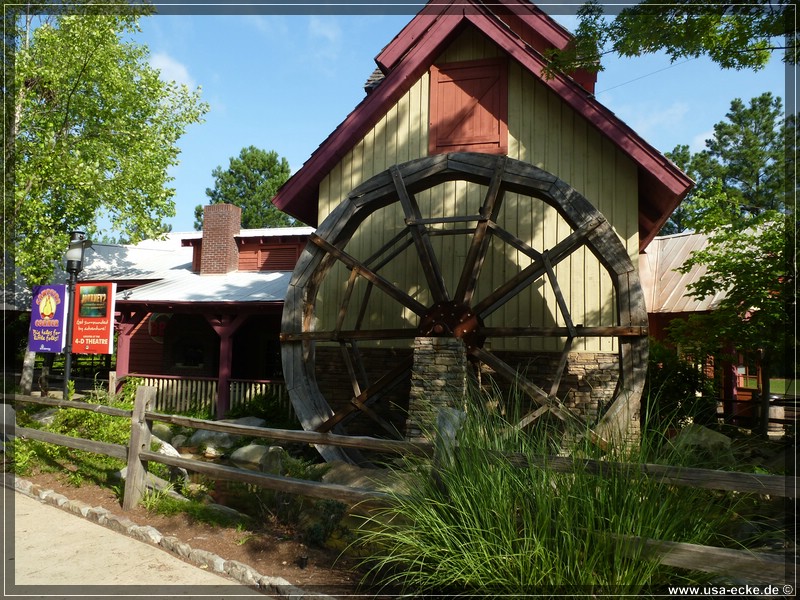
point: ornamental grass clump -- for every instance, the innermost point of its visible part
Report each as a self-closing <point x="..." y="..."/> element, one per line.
<point x="488" y="516"/>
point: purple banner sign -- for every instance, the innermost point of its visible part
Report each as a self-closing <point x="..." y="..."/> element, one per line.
<point x="48" y="318"/>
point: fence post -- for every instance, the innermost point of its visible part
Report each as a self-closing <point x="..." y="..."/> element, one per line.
<point x="140" y="440"/>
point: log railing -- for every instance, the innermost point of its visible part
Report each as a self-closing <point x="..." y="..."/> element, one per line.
<point x="759" y="567"/>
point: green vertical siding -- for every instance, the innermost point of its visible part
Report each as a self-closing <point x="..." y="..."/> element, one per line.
<point x="543" y="131"/>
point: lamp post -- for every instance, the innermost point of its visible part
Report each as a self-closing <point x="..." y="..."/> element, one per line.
<point x="74" y="256"/>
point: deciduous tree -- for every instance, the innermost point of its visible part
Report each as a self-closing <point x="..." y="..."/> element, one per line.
<point x="91" y="135"/>
<point x="740" y="35"/>
<point x="746" y="185"/>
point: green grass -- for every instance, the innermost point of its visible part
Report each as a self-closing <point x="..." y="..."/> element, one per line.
<point x="485" y="525"/>
<point x="783" y="386"/>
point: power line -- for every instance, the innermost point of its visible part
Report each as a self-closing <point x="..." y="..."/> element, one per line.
<point x="644" y="76"/>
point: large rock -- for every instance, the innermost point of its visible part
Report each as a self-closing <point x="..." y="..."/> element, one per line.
<point x="178" y="474"/>
<point x="203" y="438"/>
<point x="703" y="446"/>
<point x="273" y="461"/>
<point x="248" y="457"/>
<point x="162" y="431"/>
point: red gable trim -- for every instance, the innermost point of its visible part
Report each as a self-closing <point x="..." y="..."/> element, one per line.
<point x="662" y="185"/>
<point x="299" y="195"/>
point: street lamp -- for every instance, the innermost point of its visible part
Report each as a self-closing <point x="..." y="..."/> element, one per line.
<point x="74" y="256"/>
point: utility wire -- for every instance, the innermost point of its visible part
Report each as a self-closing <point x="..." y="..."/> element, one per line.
<point x="613" y="87"/>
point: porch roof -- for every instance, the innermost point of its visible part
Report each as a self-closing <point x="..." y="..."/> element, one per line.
<point x="188" y="287"/>
<point x="665" y="289"/>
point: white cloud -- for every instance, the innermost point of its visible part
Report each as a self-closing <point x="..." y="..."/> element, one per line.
<point x="698" y="142"/>
<point x="327" y="29"/>
<point x="171" y="69"/>
<point x="648" y="120"/>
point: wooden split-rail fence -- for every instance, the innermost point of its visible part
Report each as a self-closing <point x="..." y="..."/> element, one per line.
<point x="743" y="564"/>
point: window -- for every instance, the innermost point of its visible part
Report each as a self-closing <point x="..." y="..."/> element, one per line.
<point x="469" y="107"/>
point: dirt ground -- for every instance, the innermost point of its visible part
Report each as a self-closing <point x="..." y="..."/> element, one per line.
<point x="271" y="549"/>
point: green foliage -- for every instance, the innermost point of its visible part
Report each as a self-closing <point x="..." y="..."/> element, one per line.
<point x="676" y="391"/>
<point x="734" y="35"/>
<point x="276" y="411"/>
<point x="251" y="181"/>
<point x="745" y="184"/>
<point x="94" y="132"/>
<point x="486" y="525"/>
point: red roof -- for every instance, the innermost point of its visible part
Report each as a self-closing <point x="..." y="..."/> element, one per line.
<point x="523" y="31"/>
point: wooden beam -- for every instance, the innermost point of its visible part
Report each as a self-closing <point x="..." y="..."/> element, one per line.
<point x="427" y="256"/>
<point x="383" y="284"/>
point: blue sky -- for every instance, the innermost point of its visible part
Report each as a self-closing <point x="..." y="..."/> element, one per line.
<point x="284" y="82"/>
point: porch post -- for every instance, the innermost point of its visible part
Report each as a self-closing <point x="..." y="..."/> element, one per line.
<point x="225" y="326"/>
<point x="127" y="323"/>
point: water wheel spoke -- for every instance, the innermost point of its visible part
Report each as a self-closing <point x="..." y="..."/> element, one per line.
<point x="348" y="293"/>
<point x="515" y="242"/>
<point x="562" y="303"/>
<point x="502" y="368"/>
<point x="536" y="269"/>
<point x="476" y="255"/>
<point x="348" y="362"/>
<point x="368" y="397"/>
<point x="349" y="335"/>
<point x="562" y="365"/>
<point x="427" y="256"/>
<point x="381" y="283"/>
<point x="615" y="331"/>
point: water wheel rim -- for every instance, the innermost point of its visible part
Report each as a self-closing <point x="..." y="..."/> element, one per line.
<point x="499" y="174"/>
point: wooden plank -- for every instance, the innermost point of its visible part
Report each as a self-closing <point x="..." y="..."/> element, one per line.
<point x="307" y="437"/>
<point x="476" y="255"/>
<point x="135" y="482"/>
<point x="313" y="489"/>
<point x="710" y="479"/>
<point x="46" y="401"/>
<point x="383" y="284"/>
<point x="112" y="450"/>
<point x="743" y="564"/>
<point x="427" y="256"/>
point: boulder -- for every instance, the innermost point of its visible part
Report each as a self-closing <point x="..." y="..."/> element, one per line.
<point x="248" y="457"/>
<point x="203" y="438"/>
<point x="704" y="446"/>
<point x="45" y="417"/>
<point x="9" y="421"/>
<point x="162" y="431"/>
<point x="273" y="460"/>
<point x="175" y="473"/>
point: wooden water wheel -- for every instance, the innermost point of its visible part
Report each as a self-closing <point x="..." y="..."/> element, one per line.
<point x="329" y="301"/>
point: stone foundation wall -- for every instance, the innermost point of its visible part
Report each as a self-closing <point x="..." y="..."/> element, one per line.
<point x="440" y="375"/>
<point x="587" y="385"/>
<point x="438" y="379"/>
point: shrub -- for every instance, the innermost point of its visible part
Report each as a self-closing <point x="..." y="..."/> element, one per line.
<point x="483" y="524"/>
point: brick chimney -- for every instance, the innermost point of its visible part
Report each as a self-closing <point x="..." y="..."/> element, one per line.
<point x="219" y="254"/>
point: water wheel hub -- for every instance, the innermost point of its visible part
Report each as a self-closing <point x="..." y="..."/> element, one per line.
<point x="453" y="319"/>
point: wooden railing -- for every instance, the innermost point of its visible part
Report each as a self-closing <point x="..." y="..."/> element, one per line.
<point x="758" y="567"/>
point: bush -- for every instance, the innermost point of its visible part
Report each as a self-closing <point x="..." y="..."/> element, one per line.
<point x="483" y="524"/>
<point x="676" y="391"/>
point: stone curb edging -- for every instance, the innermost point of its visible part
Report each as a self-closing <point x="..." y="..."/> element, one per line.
<point x="237" y="571"/>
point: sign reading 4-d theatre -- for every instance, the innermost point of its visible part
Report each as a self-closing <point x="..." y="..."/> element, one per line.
<point x="48" y="318"/>
<point x="93" y="319"/>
